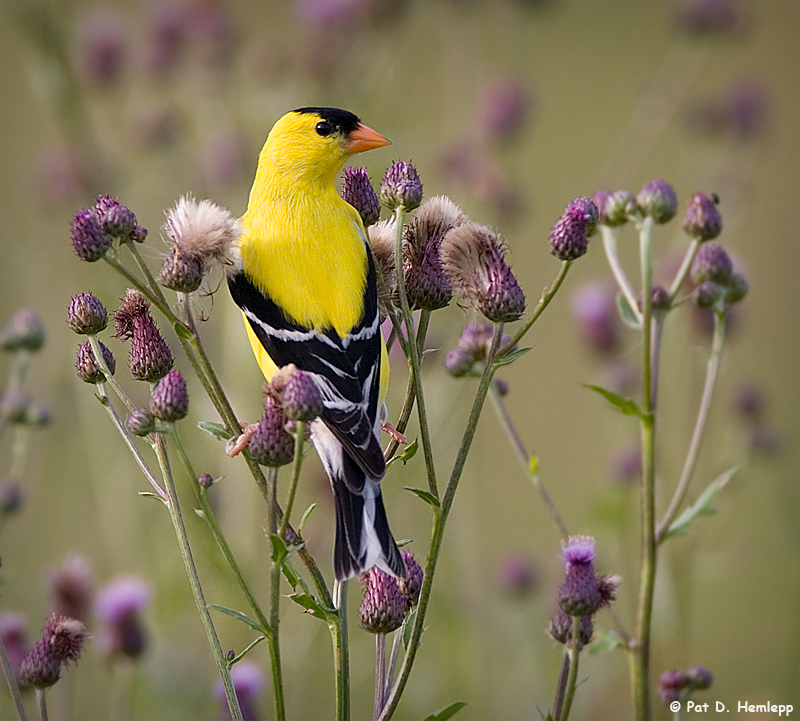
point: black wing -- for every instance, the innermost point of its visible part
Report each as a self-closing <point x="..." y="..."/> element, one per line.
<point x="346" y="370"/>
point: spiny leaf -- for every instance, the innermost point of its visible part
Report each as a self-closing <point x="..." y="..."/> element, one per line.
<point x="510" y="357"/>
<point x="605" y="641"/>
<point x="408" y="453"/>
<point x="447" y="713"/>
<point x="147" y="494"/>
<point x="215" y="429"/>
<point x="244" y="618"/>
<point x="305" y="516"/>
<point x="426" y="496"/>
<point x="182" y="330"/>
<point x="627" y="313"/>
<point x="279" y="550"/>
<point x="624" y="405"/>
<point x="702" y="506"/>
<point x="312" y="606"/>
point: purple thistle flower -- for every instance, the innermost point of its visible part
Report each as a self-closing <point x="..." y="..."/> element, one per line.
<point x="711" y="263"/>
<point x="702" y="220"/>
<point x="248" y="682"/>
<point x="411" y="585"/>
<point x="383" y="608"/>
<point x="86" y="314"/>
<point x="89" y="239"/>
<point x="476" y="339"/>
<point x="615" y="208"/>
<point x="671" y="684"/>
<point x="150" y="357"/>
<point x="302" y="400"/>
<point x="119" y="607"/>
<point x="657" y="200"/>
<point x="426" y="282"/>
<point x="169" y="400"/>
<point x="358" y="191"/>
<point x="699" y="678"/>
<point x="504" y="109"/>
<point x="40" y="668"/>
<point x="72" y="588"/>
<point x="24" y="331"/>
<point x="271" y="445"/>
<point x="516" y="574"/>
<point x="473" y="257"/>
<point x="458" y="362"/>
<point x="401" y="186"/>
<point x="594" y="308"/>
<point x="101" y="47"/>
<point x="579" y="595"/>
<point x="87" y="367"/>
<point x="66" y="637"/>
<point x="569" y="236"/>
<point x="14" y="635"/>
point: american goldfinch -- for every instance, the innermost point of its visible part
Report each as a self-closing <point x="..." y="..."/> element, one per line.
<point x="308" y="290"/>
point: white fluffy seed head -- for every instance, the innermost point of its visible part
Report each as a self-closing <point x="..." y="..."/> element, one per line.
<point x="203" y="229"/>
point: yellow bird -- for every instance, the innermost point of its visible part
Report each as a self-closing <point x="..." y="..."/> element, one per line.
<point x="308" y="290"/>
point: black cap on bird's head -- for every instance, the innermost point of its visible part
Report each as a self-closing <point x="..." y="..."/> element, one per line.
<point x="333" y="121"/>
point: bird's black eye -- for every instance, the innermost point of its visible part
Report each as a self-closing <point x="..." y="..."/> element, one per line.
<point x="324" y="128"/>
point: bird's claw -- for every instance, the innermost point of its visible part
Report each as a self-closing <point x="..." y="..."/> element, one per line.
<point x="236" y="445"/>
<point x="388" y="428"/>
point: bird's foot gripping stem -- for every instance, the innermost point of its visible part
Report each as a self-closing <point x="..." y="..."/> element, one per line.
<point x="236" y="445"/>
<point x="388" y="428"/>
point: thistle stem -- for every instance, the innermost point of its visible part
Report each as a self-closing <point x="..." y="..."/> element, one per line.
<point x="683" y="271"/>
<point x="612" y="255"/>
<point x="299" y="439"/>
<point x="11" y="682"/>
<point x="572" y="679"/>
<point x="194" y="580"/>
<point x="341" y="652"/>
<point x="641" y="668"/>
<point x="561" y="684"/>
<point x="380" y="674"/>
<point x="544" y="301"/>
<point x="692" y="456"/>
<point x="41" y="703"/>
<point x="440" y="514"/>
<point x="101" y="361"/>
<point x="414" y="361"/>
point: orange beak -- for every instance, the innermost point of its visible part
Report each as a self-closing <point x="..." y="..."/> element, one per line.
<point x="364" y="138"/>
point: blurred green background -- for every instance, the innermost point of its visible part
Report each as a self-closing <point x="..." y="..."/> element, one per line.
<point x="150" y="100"/>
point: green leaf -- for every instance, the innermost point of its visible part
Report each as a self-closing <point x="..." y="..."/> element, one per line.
<point x="605" y="641"/>
<point x="426" y="496"/>
<point x="702" y="506"/>
<point x="244" y="618"/>
<point x="447" y="713"/>
<point x="312" y="606"/>
<point x="305" y="516"/>
<point x="215" y="429"/>
<point x="279" y="550"/>
<point x="408" y="626"/>
<point x="408" y="453"/>
<point x="183" y="331"/>
<point x="623" y="405"/>
<point x="510" y="357"/>
<point x="147" y="494"/>
<point x="627" y="313"/>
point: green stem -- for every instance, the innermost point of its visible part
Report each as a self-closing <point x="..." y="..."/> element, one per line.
<point x="440" y="514"/>
<point x="683" y="271"/>
<point x="341" y="653"/>
<point x="612" y="255"/>
<point x="648" y="563"/>
<point x="194" y="580"/>
<point x="152" y="283"/>
<point x="712" y="370"/>
<point x="544" y="301"/>
<point x="98" y="356"/>
<point x="414" y="358"/>
<point x="561" y="684"/>
<point x="299" y="439"/>
<point x="41" y="703"/>
<point x="380" y="673"/>
<point x="573" y="668"/>
<point x="525" y="458"/>
<point x="11" y="682"/>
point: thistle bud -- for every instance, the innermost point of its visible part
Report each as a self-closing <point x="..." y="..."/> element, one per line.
<point x="38" y="414"/>
<point x="569" y="235"/>
<point x="615" y="208"/>
<point x="699" y="678"/>
<point x="87" y="367"/>
<point x="659" y="298"/>
<point x="119" y="608"/>
<point x="169" y="400"/>
<point x="71" y="588"/>
<point x="594" y="308"/>
<point x="708" y="294"/>
<point x="302" y="400"/>
<point x="86" y="314"/>
<point x="25" y="331"/>
<point x="561" y="629"/>
<point x="181" y="272"/>
<point x="657" y="200"/>
<point x="736" y="288"/>
<point x="411" y="585"/>
<point x="702" y="220"/>
<point x="10" y="497"/>
<point x="473" y="257"/>
<point x="14" y="405"/>
<point x="150" y="357"/>
<point x="271" y="445"/>
<point x="141" y="422"/>
<point x="516" y="574"/>
<point x="383" y="608"/>
<point x="671" y="684"/>
<point x="358" y="191"/>
<point x="476" y="339"/>
<point x="458" y="362"/>
<point x="89" y="239"/>
<point x="205" y="480"/>
<point x="426" y="283"/>
<point x="382" y="237"/>
<point x="579" y="594"/>
<point x="401" y="186"/>
<point x="711" y="263"/>
<point x="40" y="668"/>
<point x="118" y="220"/>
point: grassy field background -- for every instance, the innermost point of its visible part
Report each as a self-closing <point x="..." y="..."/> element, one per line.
<point x="613" y="92"/>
